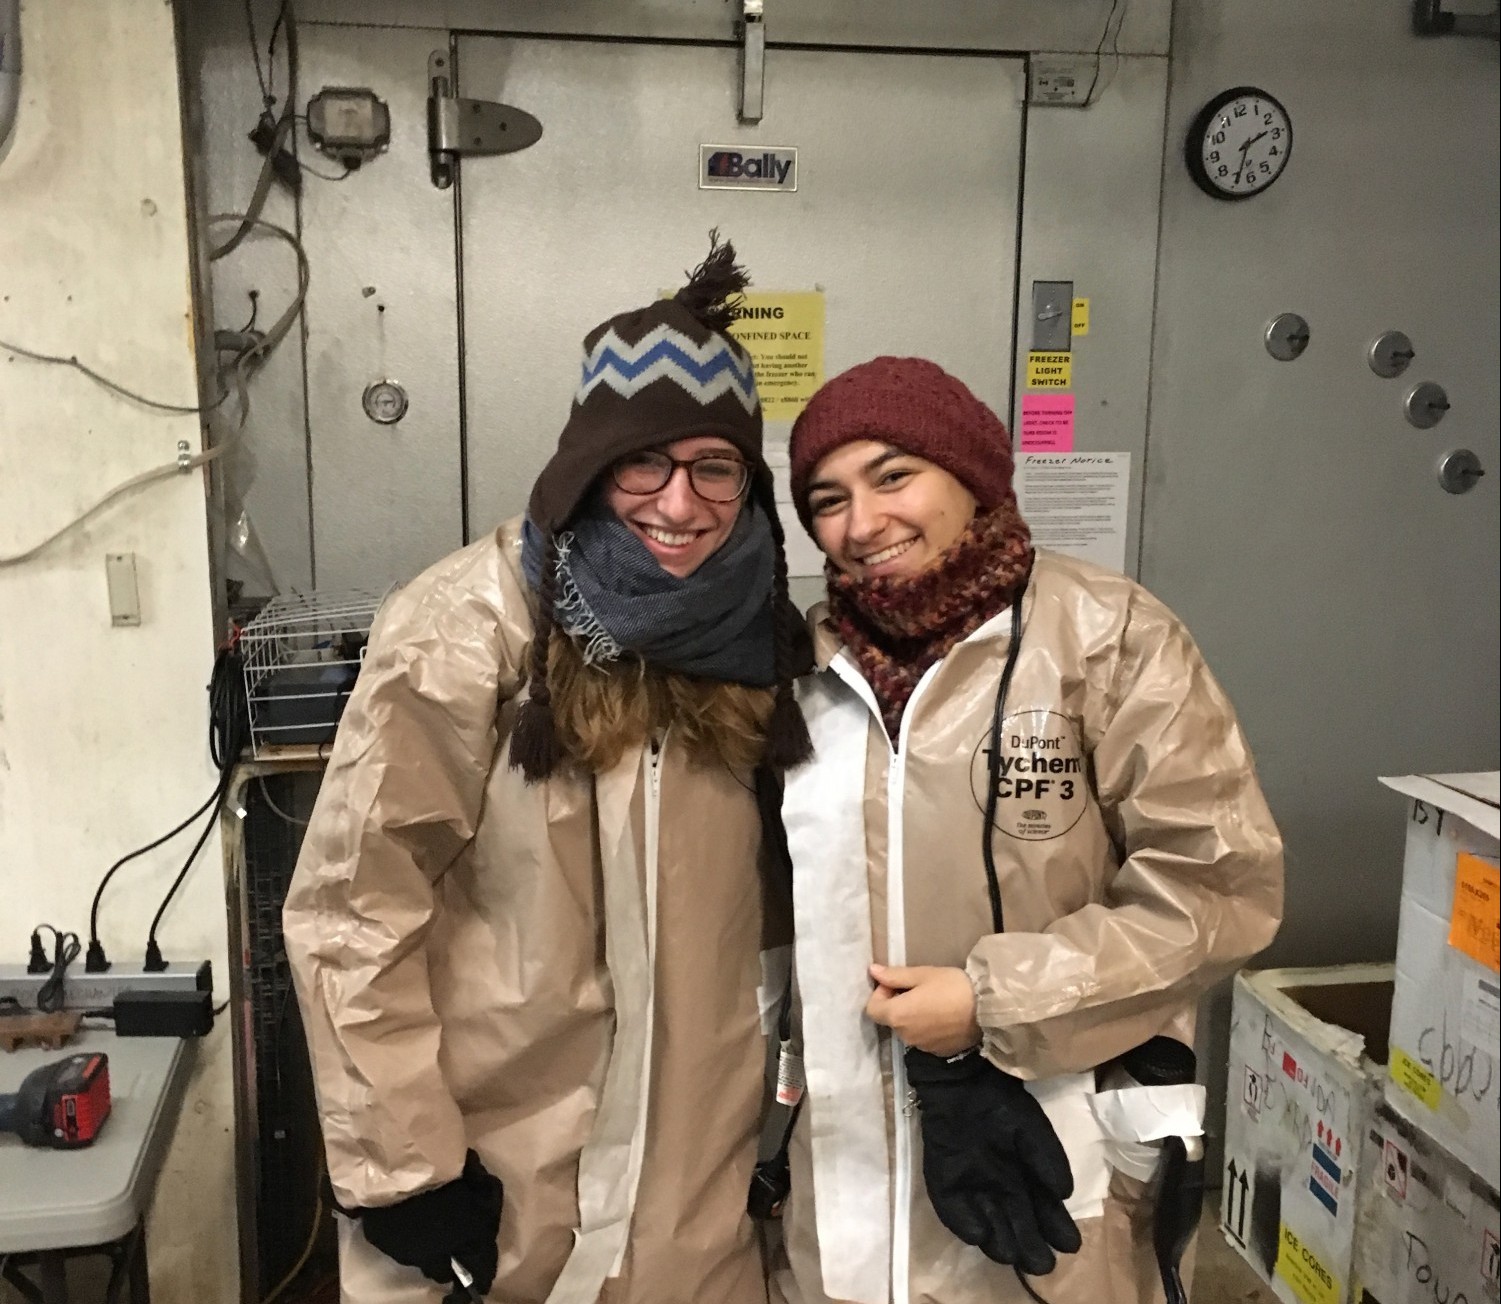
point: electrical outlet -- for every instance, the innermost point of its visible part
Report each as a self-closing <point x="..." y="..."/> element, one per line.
<point x="97" y="991"/>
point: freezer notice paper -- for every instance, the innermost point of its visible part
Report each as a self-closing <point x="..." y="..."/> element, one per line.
<point x="783" y="332"/>
<point x="1047" y="423"/>
<point x="1076" y="503"/>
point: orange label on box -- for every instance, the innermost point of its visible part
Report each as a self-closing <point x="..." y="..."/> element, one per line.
<point x="1475" y="927"/>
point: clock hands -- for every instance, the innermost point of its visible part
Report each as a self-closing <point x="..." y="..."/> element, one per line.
<point x="1243" y="150"/>
<point x="1242" y="166"/>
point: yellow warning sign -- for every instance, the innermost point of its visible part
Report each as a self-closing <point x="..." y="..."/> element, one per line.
<point x="783" y="331"/>
<point x="1080" y="322"/>
<point x="1050" y="370"/>
<point x="1301" y="1269"/>
<point x="1412" y="1077"/>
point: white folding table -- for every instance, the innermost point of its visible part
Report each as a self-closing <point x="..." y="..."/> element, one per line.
<point x="59" y="1204"/>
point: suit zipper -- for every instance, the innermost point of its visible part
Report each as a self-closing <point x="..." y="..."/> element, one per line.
<point x="903" y="1120"/>
<point x="653" y="845"/>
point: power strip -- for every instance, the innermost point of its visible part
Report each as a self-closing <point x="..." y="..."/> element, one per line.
<point x="97" y="991"/>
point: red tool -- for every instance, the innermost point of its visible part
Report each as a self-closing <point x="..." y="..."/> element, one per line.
<point x="61" y="1105"/>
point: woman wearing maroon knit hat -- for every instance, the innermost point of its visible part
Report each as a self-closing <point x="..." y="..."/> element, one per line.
<point x="1031" y="835"/>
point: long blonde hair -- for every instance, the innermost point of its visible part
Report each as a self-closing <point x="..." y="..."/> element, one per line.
<point x="600" y="710"/>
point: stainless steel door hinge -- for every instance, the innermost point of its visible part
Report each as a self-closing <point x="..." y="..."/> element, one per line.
<point x="456" y="127"/>
<point x="752" y="59"/>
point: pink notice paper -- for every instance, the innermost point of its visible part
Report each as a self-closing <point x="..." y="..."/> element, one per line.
<point x="1047" y="423"/>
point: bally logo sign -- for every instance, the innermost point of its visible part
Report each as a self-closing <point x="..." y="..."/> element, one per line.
<point x="746" y="167"/>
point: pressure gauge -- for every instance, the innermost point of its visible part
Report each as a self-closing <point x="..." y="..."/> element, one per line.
<point x="1239" y="143"/>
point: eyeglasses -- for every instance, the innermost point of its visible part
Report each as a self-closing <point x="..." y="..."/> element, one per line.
<point x="715" y="478"/>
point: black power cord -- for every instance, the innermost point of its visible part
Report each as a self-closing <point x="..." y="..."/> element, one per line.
<point x="228" y="736"/>
<point x="65" y="948"/>
<point x="96" y="961"/>
<point x="229" y="732"/>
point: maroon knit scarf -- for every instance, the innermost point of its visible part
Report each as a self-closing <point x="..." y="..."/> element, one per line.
<point x="897" y="627"/>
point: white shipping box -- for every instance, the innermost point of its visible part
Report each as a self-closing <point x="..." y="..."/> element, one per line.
<point x="1428" y="1225"/>
<point x="1307" y="1056"/>
<point x="1446" y="1012"/>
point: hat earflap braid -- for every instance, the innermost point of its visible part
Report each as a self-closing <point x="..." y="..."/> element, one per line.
<point x="536" y="749"/>
<point x="787" y="740"/>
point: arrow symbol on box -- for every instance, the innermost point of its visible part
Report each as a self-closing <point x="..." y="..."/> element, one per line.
<point x="1235" y="1220"/>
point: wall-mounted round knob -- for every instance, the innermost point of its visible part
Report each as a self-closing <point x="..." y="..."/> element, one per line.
<point x="1287" y="335"/>
<point x="1390" y="354"/>
<point x="1426" y="404"/>
<point x="1459" y="471"/>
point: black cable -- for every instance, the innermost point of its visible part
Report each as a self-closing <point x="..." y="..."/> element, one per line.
<point x="312" y="171"/>
<point x="154" y="961"/>
<point x="255" y="53"/>
<point x="281" y="18"/>
<point x="50" y="997"/>
<point x="229" y="733"/>
<point x="96" y="962"/>
<point x="1027" y="1286"/>
<point x="993" y="768"/>
<point x="1099" y="50"/>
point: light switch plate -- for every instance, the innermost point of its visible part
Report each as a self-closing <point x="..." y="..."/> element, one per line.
<point x="124" y="593"/>
<point x="1052" y="316"/>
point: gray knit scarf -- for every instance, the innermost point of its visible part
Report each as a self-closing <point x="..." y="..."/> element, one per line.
<point x="613" y="599"/>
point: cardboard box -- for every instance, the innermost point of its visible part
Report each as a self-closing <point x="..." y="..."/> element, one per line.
<point x="1446" y="1013"/>
<point x="1307" y="1057"/>
<point x="1429" y="1229"/>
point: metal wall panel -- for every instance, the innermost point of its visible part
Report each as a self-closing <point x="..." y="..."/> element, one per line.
<point x="1090" y="215"/>
<point x="900" y="24"/>
<point x="1292" y="515"/>
<point x="905" y="215"/>
<point x="386" y="498"/>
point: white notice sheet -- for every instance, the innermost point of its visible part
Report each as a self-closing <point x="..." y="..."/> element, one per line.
<point x="1076" y="503"/>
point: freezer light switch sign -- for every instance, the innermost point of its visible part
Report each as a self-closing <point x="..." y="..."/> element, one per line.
<point x="747" y="167"/>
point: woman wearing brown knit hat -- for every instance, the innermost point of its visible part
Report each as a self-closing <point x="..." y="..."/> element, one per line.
<point x="528" y="926"/>
<point x="1030" y="837"/>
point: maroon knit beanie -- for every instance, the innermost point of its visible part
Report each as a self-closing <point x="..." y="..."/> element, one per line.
<point x="915" y="405"/>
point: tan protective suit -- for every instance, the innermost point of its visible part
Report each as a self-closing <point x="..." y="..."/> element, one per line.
<point x="1138" y="864"/>
<point x="563" y="977"/>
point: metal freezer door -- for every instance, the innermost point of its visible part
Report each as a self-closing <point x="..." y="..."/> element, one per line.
<point x="905" y="217"/>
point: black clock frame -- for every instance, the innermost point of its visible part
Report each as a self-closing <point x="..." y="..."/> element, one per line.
<point x="1193" y="144"/>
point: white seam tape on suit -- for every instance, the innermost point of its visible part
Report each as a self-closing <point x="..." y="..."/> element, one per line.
<point x="605" y="1163"/>
<point x="825" y="823"/>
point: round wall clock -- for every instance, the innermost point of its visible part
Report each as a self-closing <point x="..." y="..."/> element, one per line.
<point x="1239" y="143"/>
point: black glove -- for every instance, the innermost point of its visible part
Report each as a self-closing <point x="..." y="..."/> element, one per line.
<point x="458" y="1220"/>
<point x="996" y="1172"/>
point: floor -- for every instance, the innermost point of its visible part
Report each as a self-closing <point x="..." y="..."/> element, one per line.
<point x="1221" y="1275"/>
